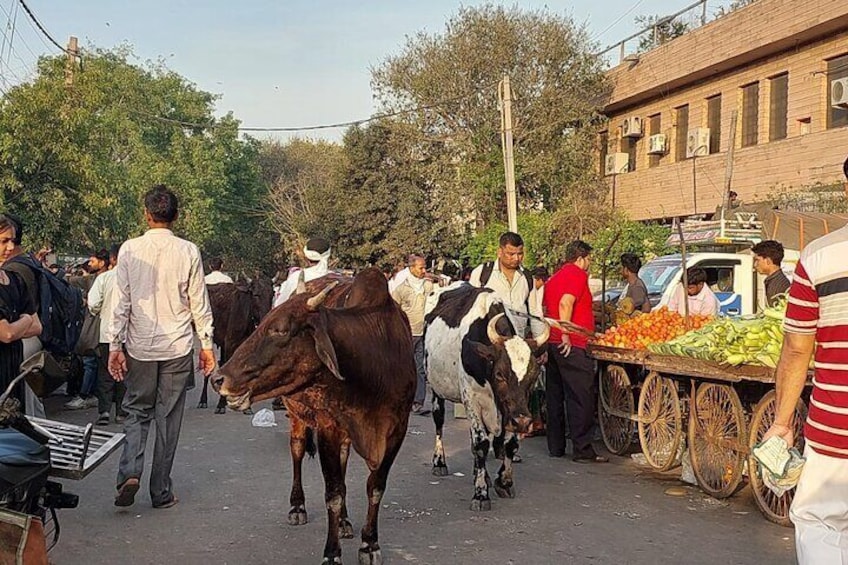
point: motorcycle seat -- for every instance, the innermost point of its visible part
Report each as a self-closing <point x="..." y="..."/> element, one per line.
<point x="16" y="449"/>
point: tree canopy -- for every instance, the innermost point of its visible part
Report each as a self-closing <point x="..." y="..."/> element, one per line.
<point x="75" y="161"/>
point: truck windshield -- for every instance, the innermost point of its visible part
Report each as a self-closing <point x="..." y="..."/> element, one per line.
<point x="658" y="274"/>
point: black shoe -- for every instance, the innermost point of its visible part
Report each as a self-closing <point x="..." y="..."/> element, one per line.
<point x="590" y="457"/>
<point x="556" y="454"/>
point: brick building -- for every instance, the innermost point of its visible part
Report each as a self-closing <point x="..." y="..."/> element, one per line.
<point x="779" y="63"/>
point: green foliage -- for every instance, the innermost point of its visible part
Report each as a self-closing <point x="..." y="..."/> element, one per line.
<point x="535" y="230"/>
<point x="76" y="161"/>
<point x="663" y="30"/>
<point x="645" y="240"/>
<point x="558" y="90"/>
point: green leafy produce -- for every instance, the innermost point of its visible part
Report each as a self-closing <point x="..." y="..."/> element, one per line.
<point x="749" y="341"/>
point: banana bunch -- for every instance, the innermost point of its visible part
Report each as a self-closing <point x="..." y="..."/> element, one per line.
<point x="755" y="341"/>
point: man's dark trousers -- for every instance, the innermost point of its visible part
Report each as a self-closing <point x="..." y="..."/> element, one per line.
<point x="155" y="391"/>
<point x="571" y="380"/>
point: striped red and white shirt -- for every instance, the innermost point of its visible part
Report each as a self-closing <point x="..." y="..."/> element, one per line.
<point x="818" y="304"/>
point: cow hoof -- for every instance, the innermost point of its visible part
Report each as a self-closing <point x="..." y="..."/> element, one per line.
<point x="504" y="492"/>
<point x="370" y="556"/>
<point x="297" y="516"/>
<point x="345" y="529"/>
<point x="221" y="410"/>
<point x="202" y="405"/>
<point x="441" y="471"/>
<point x="248" y="412"/>
<point x="332" y="561"/>
<point x="478" y="505"/>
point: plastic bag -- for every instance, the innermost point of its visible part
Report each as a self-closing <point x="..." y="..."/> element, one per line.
<point x="264" y="419"/>
<point x="780" y="465"/>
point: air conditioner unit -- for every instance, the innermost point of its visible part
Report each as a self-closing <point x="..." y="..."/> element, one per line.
<point x="698" y="142"/>
<point x="839" y="93"/>
<point x="631" y="127"/>
<point x="657" y="144"/>
<point x="616" y="164"/>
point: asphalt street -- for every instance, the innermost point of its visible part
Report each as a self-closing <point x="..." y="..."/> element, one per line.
<point x="233" y="483"/>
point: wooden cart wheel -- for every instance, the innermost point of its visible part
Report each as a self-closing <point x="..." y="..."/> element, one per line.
<point x="660" y="421"/>
<point x="774" y="508"/>
<point x="615" y="407"/>
<point x="717" y="439"/>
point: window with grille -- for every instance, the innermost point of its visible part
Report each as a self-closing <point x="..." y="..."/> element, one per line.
<point x="836" y="69"/>
<point x="681" y="127"/>
<point x="654" y="127"/>
<point x="714" y="122"/>
<point x="750" y="114"/>
<point x="778" y="106"/>
<point x="629" y="146"/>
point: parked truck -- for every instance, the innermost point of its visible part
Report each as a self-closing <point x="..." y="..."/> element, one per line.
<point x="723" y="249"/>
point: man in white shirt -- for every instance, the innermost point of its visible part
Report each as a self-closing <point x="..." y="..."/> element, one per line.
<point x="317" y="251"/>
<point x="702" y="301"/>
<point x="215" y="275"/>
<point x="160" y="295"/>
<point x="102" y="300"/>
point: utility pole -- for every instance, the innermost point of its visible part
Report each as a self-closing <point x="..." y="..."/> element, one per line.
<point x="505" y="95"/>
<point x="728" y="171"/>
<point x="72" y="53"/>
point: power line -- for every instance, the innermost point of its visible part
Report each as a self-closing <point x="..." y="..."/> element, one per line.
<point x="20" y="35"/>
<point x="315" y="127"/>
<point x="617" y="21"/>
<point x="41" y="27"/>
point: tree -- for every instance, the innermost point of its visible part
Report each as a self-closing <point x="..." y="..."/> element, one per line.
<point x="646" y="240"/>
<point x="304" y="180"/>
<point x="452" y="79"/>
<point x="386" y="213"/>
<point x="74" y="162"/>
<point x="663" y="30"/>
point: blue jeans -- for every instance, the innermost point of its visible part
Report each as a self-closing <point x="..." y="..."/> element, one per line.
<point x="89" y="379"/>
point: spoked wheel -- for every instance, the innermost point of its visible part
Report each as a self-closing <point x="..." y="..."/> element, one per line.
<point x="717" y="439"/>
<point x="615" y="409"/>
<point x="660" y="421"/>
<point x="774" y="508"/>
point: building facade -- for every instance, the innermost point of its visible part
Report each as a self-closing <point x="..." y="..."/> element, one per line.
<point x="782" y="65"/>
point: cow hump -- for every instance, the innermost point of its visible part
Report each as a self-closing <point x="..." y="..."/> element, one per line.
<point x="454" y="303"/>
<point x="369" y="288"/>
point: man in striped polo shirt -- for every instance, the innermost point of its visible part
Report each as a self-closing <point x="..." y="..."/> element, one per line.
<point x="817" y="322"/>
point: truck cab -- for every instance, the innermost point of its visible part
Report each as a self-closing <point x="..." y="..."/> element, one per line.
<point x="722" y="249"/>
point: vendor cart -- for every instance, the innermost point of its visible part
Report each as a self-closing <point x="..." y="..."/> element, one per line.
<point x="725" y="411"/>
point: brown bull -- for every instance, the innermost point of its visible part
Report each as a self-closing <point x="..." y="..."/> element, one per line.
<point x="343" y="361"/>
<point x="237" y="308"/>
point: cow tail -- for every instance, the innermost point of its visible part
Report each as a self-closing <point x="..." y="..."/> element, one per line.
<point x="311" y="446"/>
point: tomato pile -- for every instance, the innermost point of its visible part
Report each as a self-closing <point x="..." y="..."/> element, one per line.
<point x="658" y="326"/>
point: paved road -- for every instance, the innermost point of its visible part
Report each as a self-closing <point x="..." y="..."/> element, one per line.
<point x="233" y="484"/>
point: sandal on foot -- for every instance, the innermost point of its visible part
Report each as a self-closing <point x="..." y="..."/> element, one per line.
<point x="126" y="492"/>
<point x="169" y="504"/>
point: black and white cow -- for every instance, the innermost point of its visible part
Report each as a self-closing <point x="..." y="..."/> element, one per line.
<point x="474" y="357"/>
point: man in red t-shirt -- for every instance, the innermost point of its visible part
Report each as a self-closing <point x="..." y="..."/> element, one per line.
<point x="570" y="370"/>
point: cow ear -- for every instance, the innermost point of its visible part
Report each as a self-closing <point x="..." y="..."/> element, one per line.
<point x="324" y="347"/>
<point x="485" y="351"/>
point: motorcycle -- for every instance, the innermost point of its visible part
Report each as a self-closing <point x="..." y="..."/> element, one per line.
<point x="31" y="451"/>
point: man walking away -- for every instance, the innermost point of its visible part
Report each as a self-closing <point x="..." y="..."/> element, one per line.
<point x="216" y="276"/>
<point x="317" y="251"/>
<point x="160" y="293"/>
<point x="411" y="295"/>
<point x="767" y="258"/>
<point x="570" y="370"/>
<point x="817" y="323"/>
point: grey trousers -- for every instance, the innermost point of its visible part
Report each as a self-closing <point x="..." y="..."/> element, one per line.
<point x="156" y="391"/>
<point x="421" y="387"/>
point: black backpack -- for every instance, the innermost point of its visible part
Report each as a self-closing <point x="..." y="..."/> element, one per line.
<point x="60" y="308"/>
<point x="486" y="274"/>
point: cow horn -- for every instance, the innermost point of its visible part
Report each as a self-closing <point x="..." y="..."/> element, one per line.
<point x="316" y="301"/>
<point x="301" y="283"/>
<point x="491" y="330"/>
<point x="543" y="338"/>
